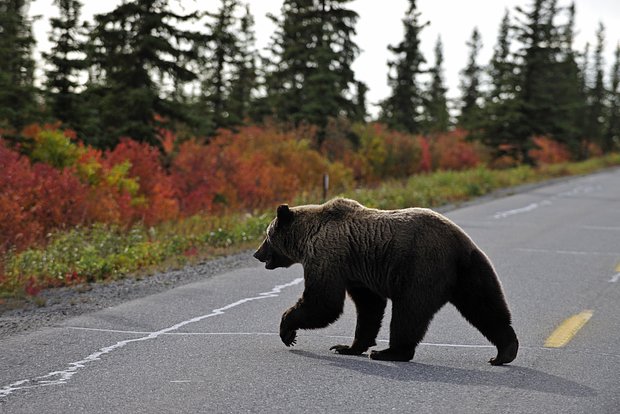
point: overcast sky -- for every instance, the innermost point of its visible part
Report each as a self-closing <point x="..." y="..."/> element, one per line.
<point x="380" y="24"/>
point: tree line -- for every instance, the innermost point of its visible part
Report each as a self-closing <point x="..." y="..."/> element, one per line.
<point x="138" y="68"/>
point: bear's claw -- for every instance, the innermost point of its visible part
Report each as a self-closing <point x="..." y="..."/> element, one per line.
<point x="346" y="350"/>
<point x="390" y="354"/>
<point x="506" y="355"/>
<point x="289" y="338"/>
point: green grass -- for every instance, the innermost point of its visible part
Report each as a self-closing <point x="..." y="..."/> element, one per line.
<point x="105" y="252"/>
<point x="448" y="187"/>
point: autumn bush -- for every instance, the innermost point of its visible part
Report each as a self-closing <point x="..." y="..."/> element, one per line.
<point x="452" y="151"/>
<point x="548" y="151"/>
<point x="250" y="169"/>
<point x="36" y="198"/>
<point x="71" y="213"/>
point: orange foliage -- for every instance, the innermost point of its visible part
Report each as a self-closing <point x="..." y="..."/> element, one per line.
<point x="249" y="169"/>
<point x="155" y="199"/>
<point x="35" y="199"/>
<point x="388" y="153"/>
<point x="548" y="151"/>
<point x="451" y="151"/>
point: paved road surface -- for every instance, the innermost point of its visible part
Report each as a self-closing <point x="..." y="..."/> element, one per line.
<point x="213" y="346"/>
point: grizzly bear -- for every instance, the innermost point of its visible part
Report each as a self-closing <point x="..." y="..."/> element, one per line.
<point x="415" y="257"/>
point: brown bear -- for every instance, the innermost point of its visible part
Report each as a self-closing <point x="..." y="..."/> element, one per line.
<point x="415" y="257"/>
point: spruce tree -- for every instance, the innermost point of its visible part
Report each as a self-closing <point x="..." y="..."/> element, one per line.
<point x="502" y="109"/>
<point x="436" y="112"/>
<point x="219" y="54"/>
<point x="360" y="112"/>
<point x="17" y="91"/>
<point x="403" y="109"/>
<point x="538" y="67"/>
<point x="596" y="95"/>
<point x="65" y="62"/>
<point x="311" y="79"/>
<point x="570" y="100"/>
<point x="135" y="49"/>
<point x="244" y="72"/>
<point x="471" y="95"/>
<point x="612" y="136"/>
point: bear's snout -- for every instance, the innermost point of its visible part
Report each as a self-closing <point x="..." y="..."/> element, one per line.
<point x="262" y="254"/>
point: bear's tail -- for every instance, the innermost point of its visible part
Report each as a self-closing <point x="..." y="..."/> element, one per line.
<point x="479" y="297"/>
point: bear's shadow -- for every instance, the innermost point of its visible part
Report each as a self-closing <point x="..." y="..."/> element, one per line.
<point x="510" y="376"/>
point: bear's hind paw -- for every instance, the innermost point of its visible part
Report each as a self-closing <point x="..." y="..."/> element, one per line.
<point x="390" y="354"/>
<point x="347" y="350"/>
<point x="506" y="355"/>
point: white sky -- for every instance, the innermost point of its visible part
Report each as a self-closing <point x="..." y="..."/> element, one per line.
<point x="380" y="24"/>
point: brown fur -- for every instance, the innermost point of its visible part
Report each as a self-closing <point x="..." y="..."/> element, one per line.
<point x="415" y="257"/>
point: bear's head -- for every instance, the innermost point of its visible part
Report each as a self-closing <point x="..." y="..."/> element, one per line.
<point x="273" y="250"/>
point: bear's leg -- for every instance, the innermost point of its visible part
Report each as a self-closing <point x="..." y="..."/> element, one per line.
<point x="407" y="328"/>
<point x="370" y="309"/>
<point x="479" y="297"/>
<point x="492" y="318"/>
<point x="318" y="306"/>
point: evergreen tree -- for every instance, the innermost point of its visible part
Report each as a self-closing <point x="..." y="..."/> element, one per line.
<point x="539" y="70"/>
<point x="570" y="100"/>
<point x="65" y="64"/>
<point x="596" y="95"/>
<point x="402" y="110"/>
<point x="437" y="115"/>
<point x="244" y="77"/>
<point x="132" y="48"/>
<point x="286" y="68"/>
<point x="471" y="95"/>
<point x="502" y="108"/>
<point x="311" y="78"/>
<point x="612" y="136"/>
<point x="17" y="91"/>
<point x="219" y="56"/>
<point x="360" y="112"/>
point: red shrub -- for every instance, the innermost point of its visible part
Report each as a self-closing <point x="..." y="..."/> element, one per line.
<point x="426" y="158"/>
<point x="196" y="177"/>
<point x="451" y="151"/>
<point x="35" y="199"/>
<point x="158" y="201"/>
<point x="548" y="151"/>
<point x="236" y="171"/>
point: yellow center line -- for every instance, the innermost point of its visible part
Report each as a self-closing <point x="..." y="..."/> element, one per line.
<point x="618" y="268"/>
<point x="567" y="329"/>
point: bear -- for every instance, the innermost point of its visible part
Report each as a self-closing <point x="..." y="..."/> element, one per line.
<point x="415" y="257"/>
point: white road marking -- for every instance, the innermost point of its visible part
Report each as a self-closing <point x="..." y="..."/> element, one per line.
<point x="615" y="278"/>
<point x="63" y="376"/>
<point x="547" y="202"/>
<point x="572" y="252"/>
<point x="508" y="213"/>
<point x="81" y="328"/>
<point x="609" y="228"/>
<point x="265" y="334"/>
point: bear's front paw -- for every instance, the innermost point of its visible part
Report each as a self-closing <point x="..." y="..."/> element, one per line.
<point x="289" y="337"/>
<point x="347" y="350"/>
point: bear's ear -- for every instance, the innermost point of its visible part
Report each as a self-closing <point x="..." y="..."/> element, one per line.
<point x="284" y="214"/>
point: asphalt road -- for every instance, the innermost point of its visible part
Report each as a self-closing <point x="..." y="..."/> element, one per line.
<point x="212" y="346"/>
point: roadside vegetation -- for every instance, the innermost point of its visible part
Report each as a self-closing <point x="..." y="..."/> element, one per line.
<point x="73" y="214"/>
